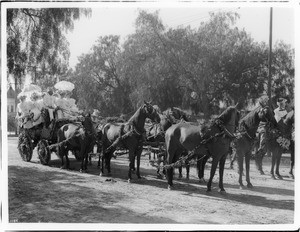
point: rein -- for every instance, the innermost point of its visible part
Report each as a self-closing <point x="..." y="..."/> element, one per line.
<point x="66" y="140"/>
<point x="203" y="142"/>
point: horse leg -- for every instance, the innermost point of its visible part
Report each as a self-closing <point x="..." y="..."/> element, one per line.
<point x="212" y="173"/>
<point x="187" y="167"/>
<point x="180" y="173"/>
<point x="87" y="157"/>
<point x="240" y="161"/>
<point x="273" y="164"/>
<point x="82" y="155"/>
<point x="201" y="167"/>
<point x="247" y="162"/>
<point x="279" y="154"/>
<point x="292" y="159"/>
<point x="107" y="159"/>
<point x="170" y="177"/>
<point x="131" y="163"/>
<point x="221" y="173"/>
<point x="67" y="159"/>
<point x="61" y="153"/>
<point x="138" y="161"/>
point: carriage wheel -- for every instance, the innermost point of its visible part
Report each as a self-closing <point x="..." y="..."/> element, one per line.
<point x="43" y="151"/>
<point x="25" y="146"/>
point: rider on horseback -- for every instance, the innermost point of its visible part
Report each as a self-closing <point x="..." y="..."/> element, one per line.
<point x="262" y="131"/>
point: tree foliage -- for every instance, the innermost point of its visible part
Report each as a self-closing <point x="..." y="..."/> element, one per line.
<point x="99" y="73"/>
<point x="217" y="60"/>
<point x="36" y="42"/>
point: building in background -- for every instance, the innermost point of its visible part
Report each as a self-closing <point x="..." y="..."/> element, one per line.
<point x="11" y="110"/>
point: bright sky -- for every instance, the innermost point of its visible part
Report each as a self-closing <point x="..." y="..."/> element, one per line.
<point x="120" y="21"/>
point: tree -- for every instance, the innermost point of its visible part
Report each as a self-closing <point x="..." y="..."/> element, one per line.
<point x="99" y="73"/>
<point x="35" y="39"/>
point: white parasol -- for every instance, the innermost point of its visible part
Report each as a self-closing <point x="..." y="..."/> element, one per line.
<point x="31" y="88"/>
<point x="64" y="86"/>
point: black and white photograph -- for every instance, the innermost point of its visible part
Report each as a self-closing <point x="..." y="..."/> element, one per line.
<point x="149" y="115"/>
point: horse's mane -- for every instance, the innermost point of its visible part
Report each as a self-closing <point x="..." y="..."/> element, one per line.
<point x="251" y="118"/>
<point x="131" y="119"/>
<point x="225" y="116"/>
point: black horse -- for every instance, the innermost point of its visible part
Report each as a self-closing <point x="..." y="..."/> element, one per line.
<point x="76" y="137"/>
<point x="129" y="135"/>
<point x="213" y="142"/>
<point x="244" y="142"/>
<point x="156" y="136"/>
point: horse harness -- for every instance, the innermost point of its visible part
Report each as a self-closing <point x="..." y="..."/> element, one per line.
<point x="205" y="141"/>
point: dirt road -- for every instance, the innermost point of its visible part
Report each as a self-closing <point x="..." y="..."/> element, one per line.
<point x="40" y="193"/>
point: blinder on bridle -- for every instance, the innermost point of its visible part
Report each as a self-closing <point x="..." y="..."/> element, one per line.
<point x="263" y="112"/>
<point x="149" y="109"/>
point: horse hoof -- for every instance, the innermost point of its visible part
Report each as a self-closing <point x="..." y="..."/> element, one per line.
<point x="249" y="185"/>
<point x="261" y="172"/>
<point x="208" y="190"/>
<point x="222" y="191"/>
<point x="279" y="177"/>
<point x="242" y="187"/>
<point x="170" y="187"/>
<point x="129" y="181"/>
<point x="292" y="176"/>
<point x="81" y="170"/>
<point x="202" y="181"/>
<point x="273" y="177"/>
<point x="100" y="174"/>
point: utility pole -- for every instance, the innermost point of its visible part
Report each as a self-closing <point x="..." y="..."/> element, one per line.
<point x="270" y="58"/>
<point x="270" y="67"/>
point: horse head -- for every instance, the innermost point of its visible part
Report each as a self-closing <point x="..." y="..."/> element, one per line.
<point x="265" y="114"/>
<point x="88" y="122"/>
<point x="151" y="112"/>
<point x="237" y="116"/>
<point x="230" y="118"/>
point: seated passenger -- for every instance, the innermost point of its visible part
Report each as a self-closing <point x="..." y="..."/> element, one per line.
<point x="23" y="111"/>
<point x="59" y="102"/>
<point x="70" y="106"/>
<point x="38" y="105"/>
<point x="49" y="103"/>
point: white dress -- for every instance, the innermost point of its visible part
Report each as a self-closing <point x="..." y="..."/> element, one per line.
<point x="49" y="103"/>
<point x="71" y="108"/>
<point x="24" y="109"/>
<point x="37" y="118"/>
<point x="59" y="102"/>
<point x="279" y="114"/>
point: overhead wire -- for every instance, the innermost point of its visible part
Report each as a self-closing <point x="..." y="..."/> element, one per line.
<point x="193" y="18"/>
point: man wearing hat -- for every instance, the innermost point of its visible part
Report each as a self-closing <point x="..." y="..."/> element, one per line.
<point x="280" y="112"/>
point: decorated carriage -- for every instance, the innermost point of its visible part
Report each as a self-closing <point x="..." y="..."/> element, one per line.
<point x="42" y="138"/>
<point x="39" y="130"/>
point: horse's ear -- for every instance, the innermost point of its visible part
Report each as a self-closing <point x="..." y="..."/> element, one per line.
<point x="150" y="101"/>
<point x="145" y="102"/>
